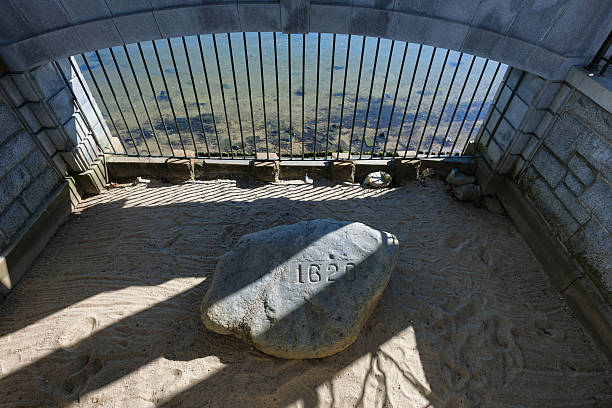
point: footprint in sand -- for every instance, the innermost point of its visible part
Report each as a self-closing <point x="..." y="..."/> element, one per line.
<point x="76" y="332"/>
<point x="473" y="344"/>
<point x="66" y="372"/>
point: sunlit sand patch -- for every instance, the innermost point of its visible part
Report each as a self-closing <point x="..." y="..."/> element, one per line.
<point x="109" y="313"/>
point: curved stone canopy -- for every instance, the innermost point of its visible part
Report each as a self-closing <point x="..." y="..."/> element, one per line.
<point x="544" y="37"/>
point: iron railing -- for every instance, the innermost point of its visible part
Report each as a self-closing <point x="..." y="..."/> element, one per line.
<point x="279" y="96"/>
<point x="600" y="57"/>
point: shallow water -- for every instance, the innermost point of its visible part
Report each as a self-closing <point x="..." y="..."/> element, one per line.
<point x="360" y="113"/>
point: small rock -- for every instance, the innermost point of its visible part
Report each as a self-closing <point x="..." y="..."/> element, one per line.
<point x="378" y="179"/>
<point x="456" y="178"/>
<point x="467" y="192"/>
<point x="303" y="290"/>
<point x="140" y="180"/>
<point x="428" y="172"/>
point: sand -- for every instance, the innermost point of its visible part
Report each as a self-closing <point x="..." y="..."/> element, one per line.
<point x="108" y="314"/>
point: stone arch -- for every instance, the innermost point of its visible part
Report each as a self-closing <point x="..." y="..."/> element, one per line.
<point x="544" y="37"/>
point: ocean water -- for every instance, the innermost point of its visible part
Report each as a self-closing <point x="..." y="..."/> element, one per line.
<point x="186" y="97"/>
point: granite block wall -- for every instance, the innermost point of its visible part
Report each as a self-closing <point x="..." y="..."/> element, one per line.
<point x="570" y="180"/>
<point x="27" y="177"/>
<point x="554" y="139"/>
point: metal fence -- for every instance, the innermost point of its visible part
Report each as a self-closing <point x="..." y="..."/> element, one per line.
<point x="600" y="62"/>
<point x="279" y="96"/>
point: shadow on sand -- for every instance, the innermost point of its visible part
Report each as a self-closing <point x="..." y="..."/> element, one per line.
<point x="455" y="326"/>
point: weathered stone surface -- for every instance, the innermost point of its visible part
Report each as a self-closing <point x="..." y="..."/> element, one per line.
<point x="266" y="171"/>
<point x="549" y="167"/>
<point x="342" y="171"/>
<point x="457" y="178"/>
<point x="467" y="192"/>
<point x="303" y="290"/>
<point x="564" y="136"/>
<point x="404" y="171"/>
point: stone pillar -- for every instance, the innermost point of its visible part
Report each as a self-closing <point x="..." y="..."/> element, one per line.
<point x="57" y="110"/>
<point x="518" y="121"/>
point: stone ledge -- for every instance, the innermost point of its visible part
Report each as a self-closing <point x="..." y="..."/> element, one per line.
<point x="592" y="311"/>
<point x="342" y="171"/>
<point x="564" y="272"/>
<point x="266" y="171"/>
<point x="598" y="88"/>
<point x="215" y="168"/>
<point x="122" y="168"/>
<point x="93" y="180"/>
<point x="26" y="246"/>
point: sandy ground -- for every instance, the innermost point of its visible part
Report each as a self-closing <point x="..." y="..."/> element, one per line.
<point x="108" y="315"/>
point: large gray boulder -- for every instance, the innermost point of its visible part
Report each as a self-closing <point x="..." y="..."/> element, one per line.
<point x="303" y="290"/>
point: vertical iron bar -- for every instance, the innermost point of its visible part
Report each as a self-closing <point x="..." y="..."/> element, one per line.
<point x="144" y="62"/>
<point x="416" y="115"/>
<point x="290" y="92"/>
<point x="277" y="97"/>
<point x="212" y="109"/>
<point x="178" y="79"/>
<point x="263" y="94"/>
<point x="416" y="65"/>
<point x="116" y="101"/>
<point x="90" y="71"/>
<point x="484" y="68"/>
<point x="450" y="124"/>
<point x="303" y="87"/>
<point x="356" y="96"/>
<point x="399" y="80"/>
<point x="433" y="101"/>
<point x="195" y="94"/>
<point x="104" y="129"/>
<point x="450" y="87"/>
<point x="246" y="62"/>
<point x="229" y="45"/>
<point x="348" y="49"/>
<point x="317" y="94"/>
<point x="605" y="66"/>
<point x="382" y="99"/>
<point x="127" y="54"/>
<point x="129" y="99"/>
<point x="161" y="70"/>
<point x="500" y="88"/>
<point x="601" y="53"/>
<point x="331" y="84"/>
<point x="229" y="138"/>
<point x="365" y="124"/>
<point x="481" y="107"/>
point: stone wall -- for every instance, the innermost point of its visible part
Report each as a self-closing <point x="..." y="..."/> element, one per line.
<point x="26" y="176"/>
<point x="49" y="130"/>
<point x="54" y="106"/>
<point x="543" y="37"/>
<point x="570" y="180"/>
<point x="555" y="140"/>
<point x="521" y="115"/>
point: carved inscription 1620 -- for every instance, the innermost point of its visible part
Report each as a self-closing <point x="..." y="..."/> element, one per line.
<point x="323" y="271"/>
